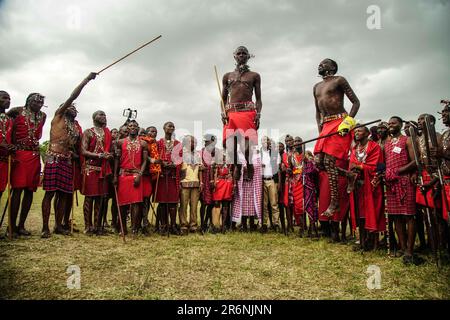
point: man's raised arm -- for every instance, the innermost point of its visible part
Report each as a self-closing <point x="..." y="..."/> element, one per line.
<point x="61" y="110"/>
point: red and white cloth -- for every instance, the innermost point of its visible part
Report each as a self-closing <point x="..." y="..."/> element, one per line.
<point x="248" y="200"/>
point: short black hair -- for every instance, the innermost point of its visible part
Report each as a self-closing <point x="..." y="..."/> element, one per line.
<point x="131" y="121"/>
<point x="398" y="119"/>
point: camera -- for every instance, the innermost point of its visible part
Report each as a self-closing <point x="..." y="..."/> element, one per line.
<point x="130" y="114"/>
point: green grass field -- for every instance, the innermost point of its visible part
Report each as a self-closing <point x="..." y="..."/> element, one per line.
<point x="230" y="266"/>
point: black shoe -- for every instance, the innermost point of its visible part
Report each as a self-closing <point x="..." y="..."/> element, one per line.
<point x="264" y="229"/>
<point x="45" y="234"/>
<point x="61" y="231"/>
<point x="24" y="232"/>
<point x="408" y="260"/>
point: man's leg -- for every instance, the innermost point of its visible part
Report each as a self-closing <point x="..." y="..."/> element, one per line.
<point x="98" y="215"/>
<point x="15" y="206"/>
<point x="273" y="200"/>
<point x="87" y="212"/>
<point x="225" y="214"/>
<point x="173" y="218"/>
<point x="184" y="200"/>
<point x="400" y="229"/>
<point x="282" y="218"/>
<point x="332" y="172"/>
<point x="60" y="212"/>
<point x="335" y="231"/>
<point x="411" y="223"/>
<point x="193" y="205"/>
<point x="123" y="214"/>
<point x="248" y="153"/>
<point x="420" y="227"/>
<point x="136" y="217"/>
<point x="26" y="205"/>
<point x="203" y="206"/>
<point x="46" y="208"/>
<point x="344" y="227"/>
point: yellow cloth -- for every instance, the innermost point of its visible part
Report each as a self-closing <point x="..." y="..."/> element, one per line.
<point x="347" y="124"/>
<point x="191" y="173"/>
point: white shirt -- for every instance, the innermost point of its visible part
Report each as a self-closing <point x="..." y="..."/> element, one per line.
<point x="268" y="171"/>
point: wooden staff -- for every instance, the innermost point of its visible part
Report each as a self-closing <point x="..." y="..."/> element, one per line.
<point x="73" y="197"/>
<point x="119" y="214"/>
<point x="129" y="54"/>
<point x="154" y="197"/>
<point x="222" y="104"/>
<point x="9" y="199"/>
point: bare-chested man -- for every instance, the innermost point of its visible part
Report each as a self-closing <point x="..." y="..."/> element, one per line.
<point x="331" y="117"/>
<point x="65" y="133"/>
<point x="242" y="114"/>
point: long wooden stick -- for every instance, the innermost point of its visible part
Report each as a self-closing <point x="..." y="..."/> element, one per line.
<point x="129" y="54"/>
<point x="222" y="104"/>
<point x="9" y="199"/>
<point x="120" y="214"/>
<point x="154" y="198"/>
<point x="335" y="133"/>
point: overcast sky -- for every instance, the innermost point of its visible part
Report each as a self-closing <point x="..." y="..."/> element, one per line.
<point x="50" y="46"/>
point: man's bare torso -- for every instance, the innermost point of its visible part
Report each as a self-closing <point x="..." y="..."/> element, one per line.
<point x="60" y="140"/>
<point x="240" y="90"/>
<point x="330" y="96"/>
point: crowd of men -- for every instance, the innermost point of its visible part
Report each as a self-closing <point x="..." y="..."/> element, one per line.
<point x="389" y="182"/>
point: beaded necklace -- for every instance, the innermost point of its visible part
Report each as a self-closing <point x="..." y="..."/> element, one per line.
<point x="32" y="121"/>
<point x="3" y="123"/>
<point x="361" y="153"/>
<point x="132" y="147"/>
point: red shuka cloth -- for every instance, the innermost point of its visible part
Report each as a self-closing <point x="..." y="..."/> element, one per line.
<point x="168" y="189"/>
<point x="336" y="145"/>
<point x="325" y="195"/>
<point x="242" y="123"/>
<point x="420" y="199"/>
<point x="26" y="165"/>
<point x="147" y="185"/>
<point x="7" y="127"/>
<point x="297" y="188"/>
<point x="95" y="182"/>
<point x="131" y="159"/>
<point x="446" y="201"/>
<point x="370" y="199"/>
<point x="224" y="184"/>
<point x="286" y="192"/>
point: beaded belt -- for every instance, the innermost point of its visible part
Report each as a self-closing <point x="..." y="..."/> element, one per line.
<point x="26" y="148"/>
<point x="3" y="159"/>
<point x="129" y="172"/>
<point x="334" y="117"/>
<point x="240" y="106"/>
<point x="88" y="168"/>
<point x="55" y="156"/>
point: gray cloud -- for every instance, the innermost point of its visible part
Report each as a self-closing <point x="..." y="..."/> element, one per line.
<point x="49" y="46"/>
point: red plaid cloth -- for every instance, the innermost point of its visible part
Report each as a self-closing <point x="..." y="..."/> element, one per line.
<point x="401" y="193"/>
<point x="248" y="200"/>
<point x="58" y="175"/>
